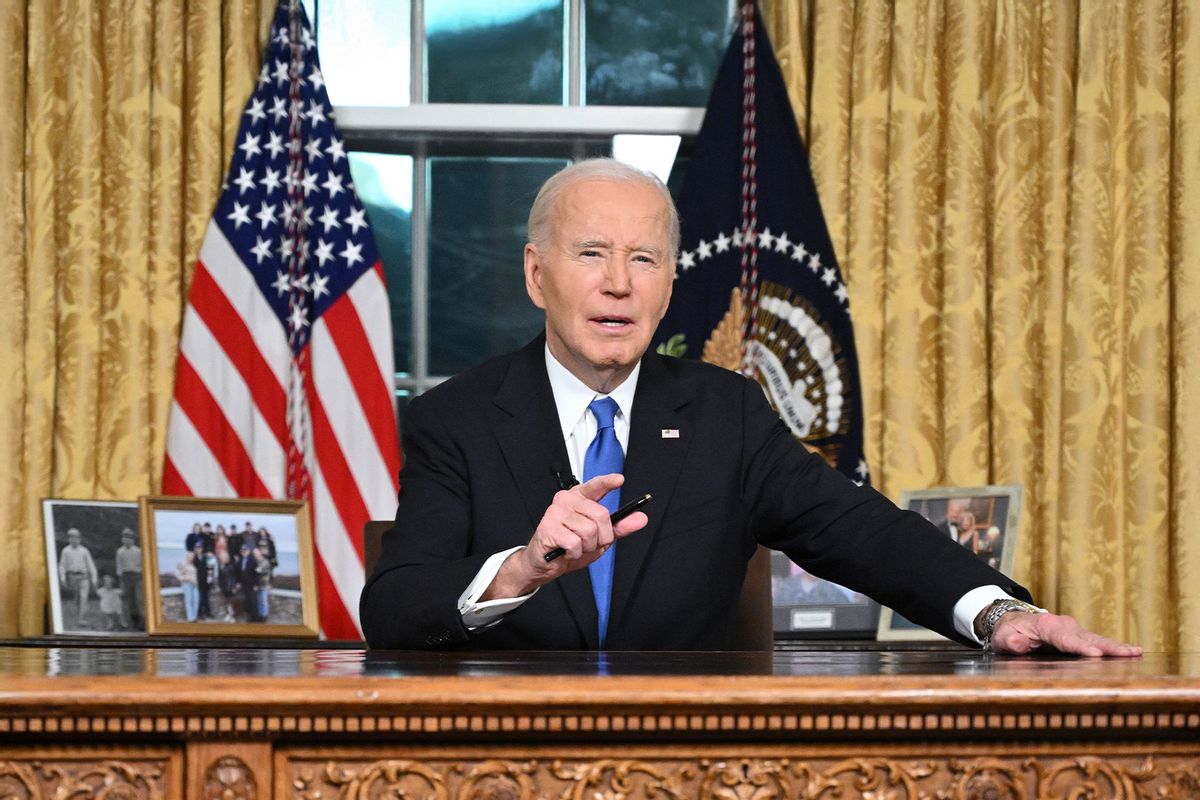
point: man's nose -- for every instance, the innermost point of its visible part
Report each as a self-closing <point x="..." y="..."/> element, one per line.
<point x="618" y="276"/>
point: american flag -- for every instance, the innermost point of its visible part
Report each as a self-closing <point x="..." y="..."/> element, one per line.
<point x="283" y="387"/>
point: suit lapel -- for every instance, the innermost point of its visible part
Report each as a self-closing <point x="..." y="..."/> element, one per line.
<point x="659" y="440"/>
<point x="525" y="420"/>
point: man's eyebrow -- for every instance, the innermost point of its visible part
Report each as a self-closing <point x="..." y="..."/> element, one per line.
<point x="648" y="248"/>
<point x="584" y="244"/>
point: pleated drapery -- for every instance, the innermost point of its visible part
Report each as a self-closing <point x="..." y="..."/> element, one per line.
<point x="1012" y="189"/>
<point x="120" y="119"/>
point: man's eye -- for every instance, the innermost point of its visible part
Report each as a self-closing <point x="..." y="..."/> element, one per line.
<point x="590" y="254"/>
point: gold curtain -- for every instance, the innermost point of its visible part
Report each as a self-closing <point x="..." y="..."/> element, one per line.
<point x="1013" y="189"/>
<point x="120" y="119"/>
<point x="1008" y="185"/>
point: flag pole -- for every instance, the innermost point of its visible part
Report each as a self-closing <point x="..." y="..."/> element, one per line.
<point x="297" y="419"/>
<point x="749" y="277"/>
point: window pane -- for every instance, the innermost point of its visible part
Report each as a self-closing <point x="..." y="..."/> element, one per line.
<point x="477" y="302"/>
<point x="364" y="51"/>
<point x="663" y="53"/>
<point x="483" y="51"/>
<point x="384" y="185"/>
<point x="654" y="153"/>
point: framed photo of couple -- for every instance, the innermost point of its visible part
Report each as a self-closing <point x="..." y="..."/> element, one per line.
<point x="228" y="567"/>
<point x="982" y="519"/>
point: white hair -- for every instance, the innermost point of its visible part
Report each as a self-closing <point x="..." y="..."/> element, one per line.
<point x="541" y="214"/>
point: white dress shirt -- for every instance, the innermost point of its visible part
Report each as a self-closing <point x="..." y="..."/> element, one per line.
<point x="572" y="398"/>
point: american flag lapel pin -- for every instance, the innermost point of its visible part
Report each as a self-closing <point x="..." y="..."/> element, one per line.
<point x="670" y="433"/>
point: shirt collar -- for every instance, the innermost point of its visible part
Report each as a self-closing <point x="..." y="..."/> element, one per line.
<point x="572" y="396"/>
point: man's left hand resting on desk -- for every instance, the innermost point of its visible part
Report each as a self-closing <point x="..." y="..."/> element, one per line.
<point x="1020" y="633"/>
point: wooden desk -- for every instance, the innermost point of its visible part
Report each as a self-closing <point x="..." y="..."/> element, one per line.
<point x="836" y="723"/>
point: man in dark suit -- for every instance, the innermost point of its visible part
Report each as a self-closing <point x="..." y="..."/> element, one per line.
<point x="491" y="456"/>
<point x="247" y="577"/>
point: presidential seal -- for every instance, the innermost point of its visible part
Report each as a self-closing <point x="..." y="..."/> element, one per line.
<point x="794" y="356"/>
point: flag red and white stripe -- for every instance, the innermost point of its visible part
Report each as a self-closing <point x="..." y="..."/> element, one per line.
<point x="288" y="312"/>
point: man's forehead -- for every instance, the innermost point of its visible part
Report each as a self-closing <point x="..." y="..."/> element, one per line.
<point x="603" y="203"/>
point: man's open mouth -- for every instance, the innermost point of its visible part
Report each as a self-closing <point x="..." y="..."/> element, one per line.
<point x="613" y="322"/>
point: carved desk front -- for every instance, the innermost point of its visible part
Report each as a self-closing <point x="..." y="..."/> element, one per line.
<point x="841" y="723"/>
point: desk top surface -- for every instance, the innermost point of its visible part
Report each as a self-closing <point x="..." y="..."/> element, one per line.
<point x="835" y="661"/>
<point x="448" y="689"/>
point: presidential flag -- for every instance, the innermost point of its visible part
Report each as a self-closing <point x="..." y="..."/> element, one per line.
<point x="284" y="384"/>
<point x="757" y="287"/>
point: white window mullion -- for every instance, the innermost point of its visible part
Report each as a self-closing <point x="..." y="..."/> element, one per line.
<point x="574" y="46"/>
<point x="420" y="264"/>
<point x="416" y="55"/>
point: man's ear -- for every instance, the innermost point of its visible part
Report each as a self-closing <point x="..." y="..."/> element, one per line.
<point x="533" y="276"/>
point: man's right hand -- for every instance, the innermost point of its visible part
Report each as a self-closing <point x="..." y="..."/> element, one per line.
<point x="576" y="522"/>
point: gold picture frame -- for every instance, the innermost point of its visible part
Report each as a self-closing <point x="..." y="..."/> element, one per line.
<point x="265" y="589"/>
<point x="994" y="516"/>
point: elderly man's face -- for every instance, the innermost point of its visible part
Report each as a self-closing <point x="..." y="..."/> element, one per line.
<point x="604" y="278"/>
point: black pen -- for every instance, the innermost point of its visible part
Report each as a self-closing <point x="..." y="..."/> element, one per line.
<point x="618" y="515"/>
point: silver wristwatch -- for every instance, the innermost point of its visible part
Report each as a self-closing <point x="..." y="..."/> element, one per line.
<point x="985" y="623"/>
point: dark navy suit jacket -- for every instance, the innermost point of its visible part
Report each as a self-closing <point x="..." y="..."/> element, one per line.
<point x="481" y="455"/>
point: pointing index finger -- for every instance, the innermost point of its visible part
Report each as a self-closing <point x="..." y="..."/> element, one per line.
<point x="597" y="487"/>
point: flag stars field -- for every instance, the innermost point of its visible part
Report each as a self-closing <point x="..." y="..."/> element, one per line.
<point x="255" y="111"/>
<point x="336" y="150"/>
<point x="244" y="181"/>
<point x="239" y="215"/>
<point x="270" y="180"/>
<point x="266" y="215"/>
<point x="249" y="146"/>
<point x="356" y="219"/>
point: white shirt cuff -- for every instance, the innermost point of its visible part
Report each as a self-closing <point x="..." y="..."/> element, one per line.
<point x="477" y="615"/>
<point x="970" y="604"/>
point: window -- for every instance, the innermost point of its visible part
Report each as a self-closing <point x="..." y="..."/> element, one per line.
<point x="455" y="111"/>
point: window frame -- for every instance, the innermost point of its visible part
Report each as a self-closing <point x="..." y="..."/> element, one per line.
<point x="424" y="130"/>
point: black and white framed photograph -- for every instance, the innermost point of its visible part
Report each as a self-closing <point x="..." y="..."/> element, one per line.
<point x="983" y="519"/>
<point x="229" y="567"/>
<point x="805" y="606"/>
<point x="94" y="560"/>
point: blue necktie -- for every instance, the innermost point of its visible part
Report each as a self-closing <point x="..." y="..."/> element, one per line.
<point x="604" y="456"/>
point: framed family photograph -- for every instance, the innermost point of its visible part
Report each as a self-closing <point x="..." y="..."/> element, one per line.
<point x="982" y="519"/>
<point x="95" y="567"/>
<point x="226" y="567"/>
<point x="807" y="607"/>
